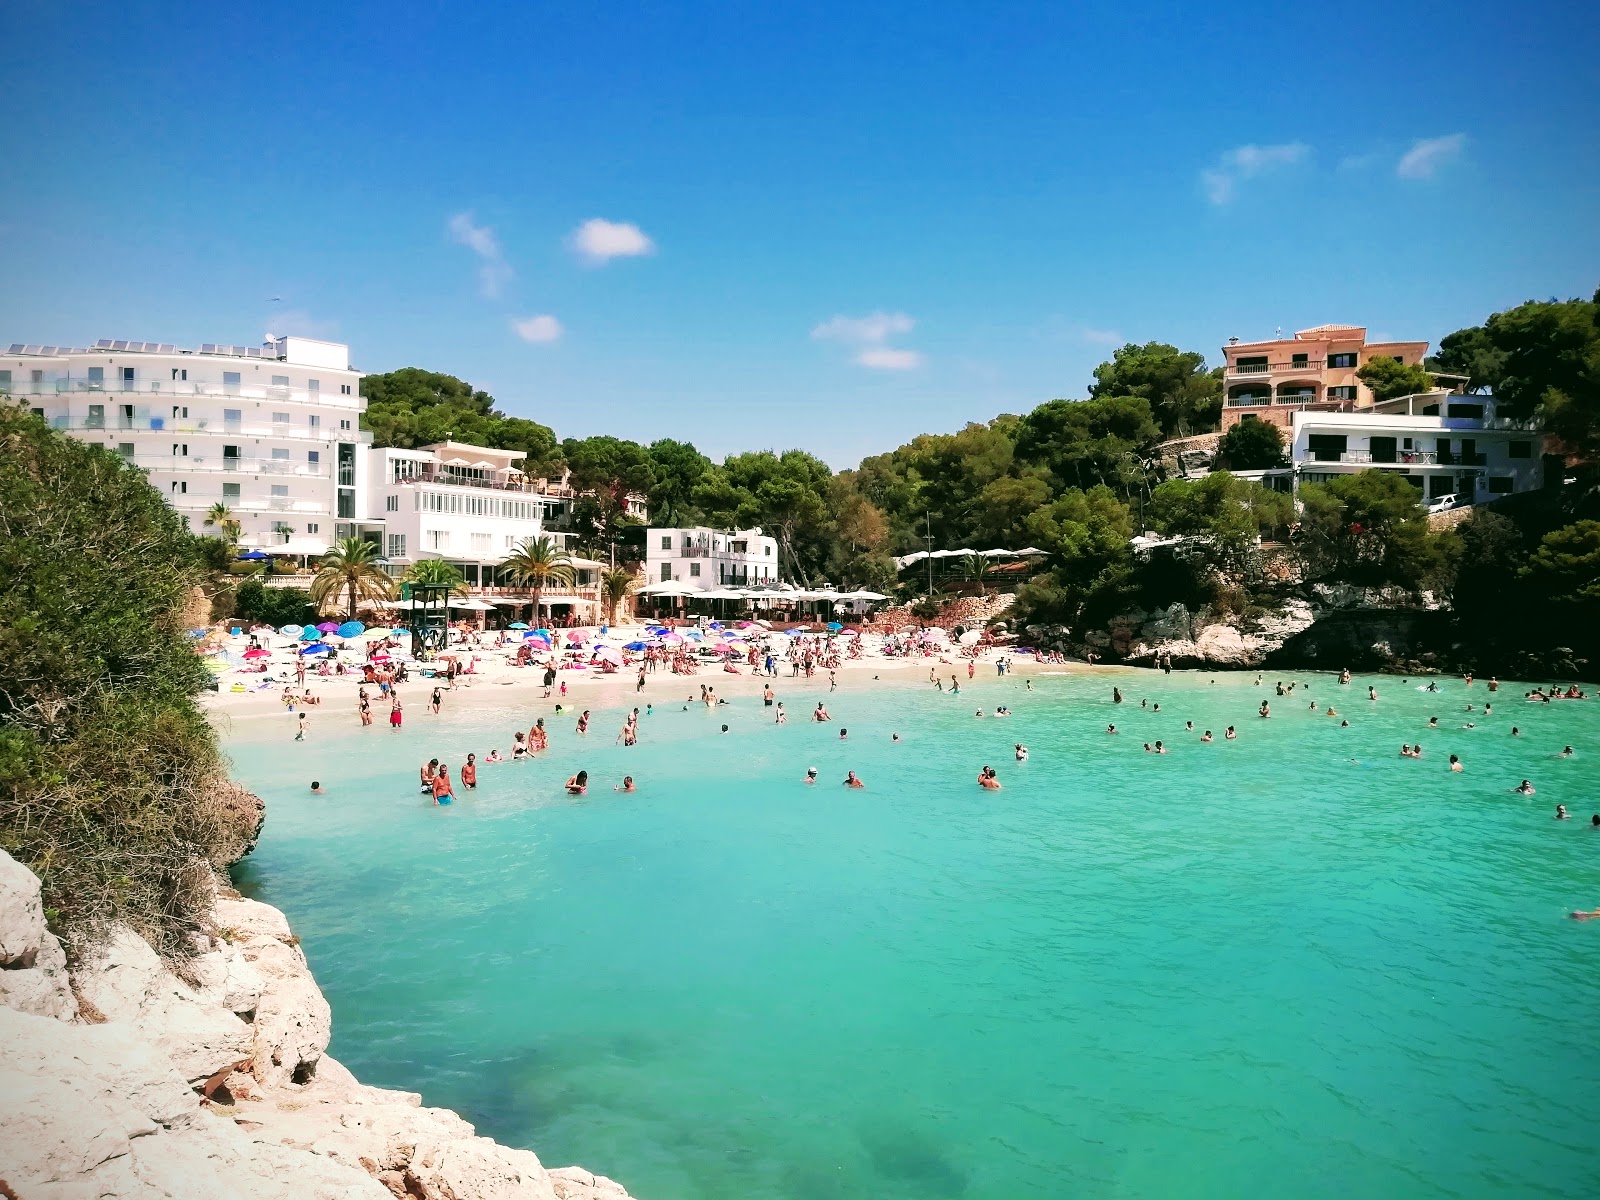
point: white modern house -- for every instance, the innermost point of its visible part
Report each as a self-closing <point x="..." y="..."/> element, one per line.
<point x="1444" y="443"/>
<point x="709" y="558"/>
<point x="273" y="432"/>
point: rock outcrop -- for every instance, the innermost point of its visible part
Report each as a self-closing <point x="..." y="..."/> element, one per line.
<point x="131" y="1080"/>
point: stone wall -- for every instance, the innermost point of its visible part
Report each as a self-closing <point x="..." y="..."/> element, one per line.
<point x="127" y="1080"/>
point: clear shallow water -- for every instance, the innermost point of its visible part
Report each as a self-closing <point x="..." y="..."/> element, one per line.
<point x="1240" y="968"/>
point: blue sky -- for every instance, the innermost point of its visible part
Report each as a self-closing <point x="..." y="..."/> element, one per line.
<point x="832" y="226"/>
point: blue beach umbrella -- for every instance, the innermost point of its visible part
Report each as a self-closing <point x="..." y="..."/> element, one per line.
<point x="517" y="625"/>
<point x="310" y="634"/>
<point x="352" y="629"/>
<point x="835" y="626"/>
<point x="315" y="648"/>
<point x="544" y="633"/>
<point x="291" y="630"/>
<point x="637" y="646"/>
<point x="252" y="556"/>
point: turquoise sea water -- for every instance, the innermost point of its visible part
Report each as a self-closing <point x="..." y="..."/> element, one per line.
<point x="1295" y="964"/>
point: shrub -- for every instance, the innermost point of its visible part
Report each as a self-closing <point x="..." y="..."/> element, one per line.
<point x="108" y="771"/>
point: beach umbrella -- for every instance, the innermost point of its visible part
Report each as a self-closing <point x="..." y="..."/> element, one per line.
<point x="351" y="629"/>
<point x="835" y="626"/>
<point x="327" y="626"/>
<point x="970" y="637"/>
<point x="291" y="630"/>
<point x="517" y="625"/>
<point x="315" y="648"/>
<point x="252" y="556"/>
<point x="310" y="634"/>
<point x="257" y="652"/>
<point x="637" y="646"/>
<point x="373" y="635"/>
<point x="575" y="637"/>
<point x="672" y="636"/>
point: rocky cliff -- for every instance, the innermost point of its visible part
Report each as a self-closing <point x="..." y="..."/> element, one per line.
<point x="1317" y="626"/>
<point x="125" y="1079"/>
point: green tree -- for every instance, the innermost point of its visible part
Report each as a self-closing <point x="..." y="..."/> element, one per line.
<point x="1565" y="569"/>
<point x="1490" y="557"/>
<point x="1228" y="514"/>
<point x="438" y="573"/>
<point x="535" y="562"/>
<point x="350" y="569"/>
<point x="616" y="585"/>
<point x="1389" y="379"/>
<point x="1005" y="506"/>
<point x="1089" y="443"/>
<point x="257" y="603"/>
<point x="110" y="777"/>
<point x="1087" y="536"/>
<point x="677" y="468"/>
<point x="412" y="407"/>
<point x="220" y="517"/>
<point x="1472" y="354"/>
<point x="1184" y="396"/>
<point x="1368" y="528"/>
<point x="1551" y="368"/>
<point x="609" y="464"/>
<point x="1251" y="446"/>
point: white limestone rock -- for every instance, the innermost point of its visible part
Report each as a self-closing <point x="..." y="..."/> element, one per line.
<point x="33" y="966"/>
<point x="293" y="1021"/>
<point x="574" y="1183"/>
<point x="127" y="982"/>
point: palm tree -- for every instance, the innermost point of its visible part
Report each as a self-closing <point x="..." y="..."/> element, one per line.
<point x="536" y="562"/>
<point x="220" y="517"/>
<point x="615" y="585"/>
<point x="438" y="573"/>
<point x="351" y="567"/>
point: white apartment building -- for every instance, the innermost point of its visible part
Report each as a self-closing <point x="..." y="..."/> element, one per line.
<point x="1443" y="443"/>
<point x="709" y="558"/>
<point x="272" y="432"/>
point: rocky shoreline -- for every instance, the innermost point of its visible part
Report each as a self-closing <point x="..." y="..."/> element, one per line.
<point x="125" y="1077"/>
<point x="1316" y="627"/>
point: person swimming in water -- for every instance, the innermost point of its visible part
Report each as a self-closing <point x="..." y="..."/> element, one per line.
<point x="1230" y="734"/>
<point x="1111" y="728"/>
<point x="1022" y="752"/>
<point x="1456" y="764"/>
<point x="1561" y="812"/>
<point x="1524" y="788"/>
<point x="317" y="789"/>
<point x="1263" y="711"/>
<point x="626" y="785"/>
<point x="988" y="779"/>
<point x="1206" y="736"/>
<point x="1433" y="722"/>
<point x="851" y="780"/>
<point x="1566" y="752"/>
<point x="578" y="784"/>
<point x="811" y="775"/>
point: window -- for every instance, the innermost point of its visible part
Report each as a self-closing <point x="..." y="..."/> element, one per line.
<point x="1341" y="360"/>
<point x="280" y="418"/>
<point x="313" y="456"/>
<point x="232" y="416"/>
<point x="666" y="542"/>
<point x="1500" y="485"/>
<point x="666" y="572"/>
<point x="97" y="378"/>
<point x="230" y="491"/>
<point x="312" y="527"/>
<point x="280" y="456"/>
<point x="280" y="381"/>
<point x="1383" y="449"/>
<point x="391" y="504"/>
<point x="397" y="545"/>
<point x="438" y="539"/>
<point x="230" y="382"/>
<point x="694" y="570"/>
<point x="1399" y="358"/>
<point x="769" y="551"/>
<point x="5" y="381"/>
<point x="180" y="487"/>
<point x="1474" y="411"/>
<point x="1253" y="365"/>
<point x="179" y="410"/>
<point x="1343" y="392"/>
<point x="344" y="424"/>
<point x="1519" y="449"/>
<point x="314" y="385"/>
<point x="280" y="490"/>
<point x="1326" y="447"/>
<point x="740" y="547"/>
<point x="482" y="541"/>
<point x="125" y="449"/>
<point x="96" y="418"/>
<point x="1298" y="361"/>
<point x="314" y="421"/>
<point x="127" y="379"/>
<point x="344" y="389"/>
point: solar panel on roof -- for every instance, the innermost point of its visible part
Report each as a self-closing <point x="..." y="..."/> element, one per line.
<point x="103" y="344"/>
<point x="119" y="345"/>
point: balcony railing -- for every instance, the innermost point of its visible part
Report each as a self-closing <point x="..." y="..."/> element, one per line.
<point x="694" y="551"/>
<point x="246" y="466"/>
<point x="1310" y="364"/>
<point x="116" y="423"/>
<point x="179" y="390"/>
<point x="435" y="478"/>
<point x="1249" y="401"/>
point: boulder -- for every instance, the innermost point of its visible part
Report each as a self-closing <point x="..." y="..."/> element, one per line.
<point x="33" y="966"/>
<point x="128" y="983"/>
<point x="574" y="1183"/>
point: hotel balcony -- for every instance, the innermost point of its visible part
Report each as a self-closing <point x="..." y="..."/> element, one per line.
<point x="182" y="389"/>
<point x="117" y="423"/>
<point x="1287" y="366"/>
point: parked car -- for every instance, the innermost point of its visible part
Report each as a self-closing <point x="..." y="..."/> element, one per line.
<point x="1441" y="504"/>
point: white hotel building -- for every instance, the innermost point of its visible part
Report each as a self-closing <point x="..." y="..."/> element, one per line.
<point x="708" y="558"/>
<point x="274" y="433"/>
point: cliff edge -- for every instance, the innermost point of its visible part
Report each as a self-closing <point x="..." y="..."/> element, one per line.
<point x="125" y="1079"/>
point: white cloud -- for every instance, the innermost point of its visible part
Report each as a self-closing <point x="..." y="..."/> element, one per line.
<point x="541" y="330"/>
<point x="870" y="335"/>
<point x="887" y="358"/>
<point x="599" y="241"/>
<point x="1427" y="155"/>
<point x="1221" y="182"/>
<point x="493" y="271"/>
<point x="1103" y="337"/>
